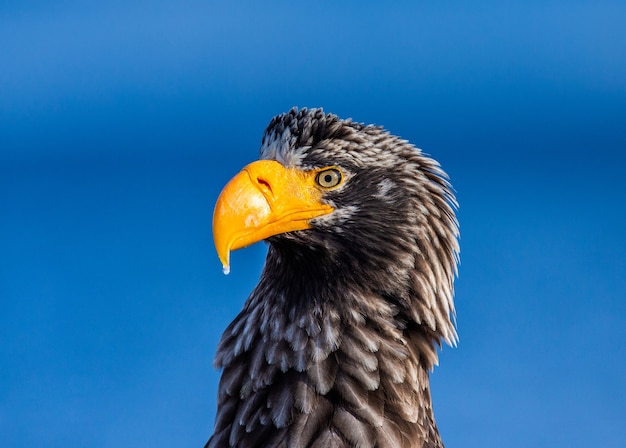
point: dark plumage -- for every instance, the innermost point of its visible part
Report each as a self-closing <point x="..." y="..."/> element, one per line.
<point x="334" y="346"/>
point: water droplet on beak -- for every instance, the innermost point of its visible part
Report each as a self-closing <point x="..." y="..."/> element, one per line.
<point x="226" y="270"/>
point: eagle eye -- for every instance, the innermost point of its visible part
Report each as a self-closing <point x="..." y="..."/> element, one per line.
<point x="329" y="178"/>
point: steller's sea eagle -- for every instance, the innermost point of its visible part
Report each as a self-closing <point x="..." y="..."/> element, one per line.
<point x="334" y="346"/>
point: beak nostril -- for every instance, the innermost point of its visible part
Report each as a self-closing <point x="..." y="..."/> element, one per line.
<point x="264" y="183"/>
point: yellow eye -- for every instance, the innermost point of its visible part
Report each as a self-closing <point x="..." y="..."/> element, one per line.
<point x="329" y="178"/>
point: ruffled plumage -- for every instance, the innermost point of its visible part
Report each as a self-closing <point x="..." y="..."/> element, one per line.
<point x="334" y="346"/>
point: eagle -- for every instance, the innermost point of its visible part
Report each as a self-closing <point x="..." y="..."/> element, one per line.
<point x="334" y="346"/>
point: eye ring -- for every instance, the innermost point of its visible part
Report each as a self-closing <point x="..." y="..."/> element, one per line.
<point x="329" y="178"/>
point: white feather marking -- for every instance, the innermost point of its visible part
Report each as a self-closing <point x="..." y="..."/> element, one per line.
<point x="281" y="148"/>
<point x="384" y="187"/>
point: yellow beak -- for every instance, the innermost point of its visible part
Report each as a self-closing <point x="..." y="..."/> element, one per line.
<point x="263" y="200"/>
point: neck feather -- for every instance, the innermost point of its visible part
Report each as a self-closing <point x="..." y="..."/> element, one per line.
<point x="326" y="365"/>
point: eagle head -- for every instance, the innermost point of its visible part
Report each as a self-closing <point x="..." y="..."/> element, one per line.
<point x="334" y="345"/>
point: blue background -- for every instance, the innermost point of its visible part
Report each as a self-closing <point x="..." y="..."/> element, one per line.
<point x="121" y="121"/>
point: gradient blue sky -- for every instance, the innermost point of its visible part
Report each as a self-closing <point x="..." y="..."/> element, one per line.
<point x="121" y="121"/>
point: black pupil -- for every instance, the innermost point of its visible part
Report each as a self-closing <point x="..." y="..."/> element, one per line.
<point x="328" y="178"/>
